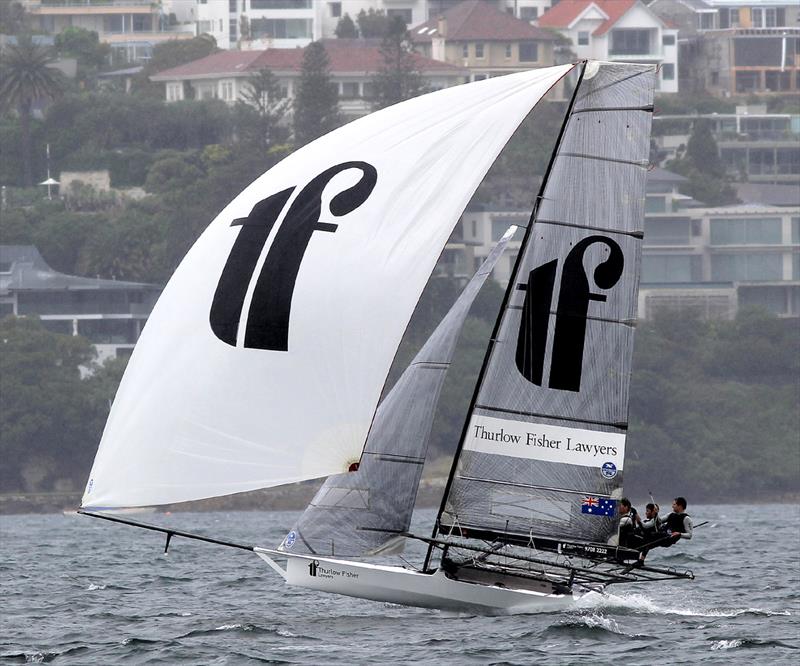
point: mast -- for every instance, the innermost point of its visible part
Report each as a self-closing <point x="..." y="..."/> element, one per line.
<point x="506" y="297"/>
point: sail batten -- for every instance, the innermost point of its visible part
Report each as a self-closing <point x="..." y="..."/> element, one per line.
<point x="546" y="433"/>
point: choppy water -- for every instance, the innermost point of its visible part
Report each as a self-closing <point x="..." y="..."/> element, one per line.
<point x="83" y="591"/>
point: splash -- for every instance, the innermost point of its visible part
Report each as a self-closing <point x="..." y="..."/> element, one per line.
<point x="639" y="604"/>
<point x="727" y="644"/>
<point x="92" y="587"/>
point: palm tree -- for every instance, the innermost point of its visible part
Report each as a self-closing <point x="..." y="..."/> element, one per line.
<point x="25" y="77"/>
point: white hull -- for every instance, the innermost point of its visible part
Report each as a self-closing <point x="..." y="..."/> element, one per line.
<point x="408" y="587"/>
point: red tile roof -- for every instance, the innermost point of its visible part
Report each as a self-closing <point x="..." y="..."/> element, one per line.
<point x="566" y="11"/>
<point x="345" y="55"/>
<point x="477" y="20"/>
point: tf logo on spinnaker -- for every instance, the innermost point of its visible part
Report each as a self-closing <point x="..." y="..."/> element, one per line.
<point x="569" y="335"/>
<point x="267" y="321"/>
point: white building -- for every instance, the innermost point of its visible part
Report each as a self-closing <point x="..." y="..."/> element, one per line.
<point x="618" y="30"/>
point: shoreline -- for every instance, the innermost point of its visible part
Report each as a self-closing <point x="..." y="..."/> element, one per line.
<point x="293" y="497"/>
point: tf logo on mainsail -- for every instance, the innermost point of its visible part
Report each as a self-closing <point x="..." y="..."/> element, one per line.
<point x="566" y="359"/>
<point x="267" y="322"/>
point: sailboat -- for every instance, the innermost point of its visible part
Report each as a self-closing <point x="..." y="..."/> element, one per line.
<point x="264" y="361"/>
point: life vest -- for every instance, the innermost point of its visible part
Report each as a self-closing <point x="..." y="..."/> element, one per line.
<point x="675" y="522"/>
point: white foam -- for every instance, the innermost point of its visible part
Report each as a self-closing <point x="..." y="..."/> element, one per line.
<point x="726" y="645"/>
<point x="92" y="587"/>
<point x="639" y="603"/>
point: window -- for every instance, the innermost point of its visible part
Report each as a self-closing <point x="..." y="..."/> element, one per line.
<point x="776" y="81"/>
<point x="583" y="38"/>
<point x="528" y="52"/>
<point x="500" y="225"/>
<point x="508" y="51"/>
<point x="655" y="205"/>
<point x="232" y="9"/>
<point x="668" y="71"/>
<point x="747" y="81"/>
<point x="529" y="13"/>
<point x="142" y="23"/>
<point x="756" y="266"/>
<point x="281" y="28"/>
<point x="734" y="18"/>
<point x="770" y="17"/>
<point x="714" y="78"/>
<point x="668" y="40"/>
<point x="349" y="90"/>
<point x="369" y="90"/>
<point x="706" y="21"/>
<point x="227" y="90"/>
<point x="475" y="227"/>
<point x="113" y="23"/>
<point x="746" y="231"/>
<point x="479" y="50"/>
<point x="667" y="230"/>
<point x="336" y="9"/>
<point x="757" y="17"/>
<point x="630" y="42"/>
<point x="280" y="4"/>
<point x="232" y="31"/>
<point x="667" y="268"/>
<point x="174" y="92"/>
<point x="796" y="231"/>
<point x="465" y="51"/>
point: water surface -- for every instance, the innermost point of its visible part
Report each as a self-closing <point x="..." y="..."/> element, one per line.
<point x="83" y="591"/>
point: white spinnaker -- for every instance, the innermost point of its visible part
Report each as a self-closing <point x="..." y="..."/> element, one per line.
<point x="195" y="417"/>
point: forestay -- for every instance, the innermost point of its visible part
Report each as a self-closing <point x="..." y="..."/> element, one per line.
<point x="362" y="512"/>
<point x="543" y="449"/>
<point x="265" y="357"/>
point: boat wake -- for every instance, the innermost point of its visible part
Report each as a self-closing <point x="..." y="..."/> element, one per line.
<point x="639" y="604"/>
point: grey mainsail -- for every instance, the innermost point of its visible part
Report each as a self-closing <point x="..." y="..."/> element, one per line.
<point x="543" y="448"/>
<point x="362" y="512"/>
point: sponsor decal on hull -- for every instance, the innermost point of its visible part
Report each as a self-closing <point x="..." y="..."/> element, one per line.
<point x="323" y="570"/>
<point x="535" y="441"/>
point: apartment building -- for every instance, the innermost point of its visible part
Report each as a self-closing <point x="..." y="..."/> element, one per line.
<point x="131" y="27"/>
<point x="736" y="47"/>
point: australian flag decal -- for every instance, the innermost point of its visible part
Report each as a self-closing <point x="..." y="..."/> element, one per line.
<point x="598" y="506"/>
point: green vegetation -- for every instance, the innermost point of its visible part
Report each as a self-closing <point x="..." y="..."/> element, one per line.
<point x="316" y="106"/>
<point x="398" y="78"/>
<point x="26" y="77"/>
<point x="714" y="408"/>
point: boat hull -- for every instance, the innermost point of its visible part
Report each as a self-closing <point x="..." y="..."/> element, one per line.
<point x="399" y="585"/>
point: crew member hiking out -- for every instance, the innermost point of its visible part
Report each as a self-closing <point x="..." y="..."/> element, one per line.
<point x="676" y="526"/>
<point x="629" y="525"/>
<point x="651" y="528"/>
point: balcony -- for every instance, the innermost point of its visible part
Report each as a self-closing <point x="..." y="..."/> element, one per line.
<point x="95" y="7"/>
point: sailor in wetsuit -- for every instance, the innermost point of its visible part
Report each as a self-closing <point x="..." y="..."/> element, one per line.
<point x="678" y="524"/>
<point x="629" y="525"/>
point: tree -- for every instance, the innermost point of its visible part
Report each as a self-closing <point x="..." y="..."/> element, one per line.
<point x="44" y="435"/>
<point x="704" y="169"/>
<point x="13" y="18"/>
<point x="377" y="24"/>
<point x="25" y="78"/>
<point x="702" y="151"/>
<point x="316" y="109"/>
<point x="398" y="78"/>
<point x="85" y="47"/>
<point x="264" y="95"/>
<point x="346" y="28"/>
